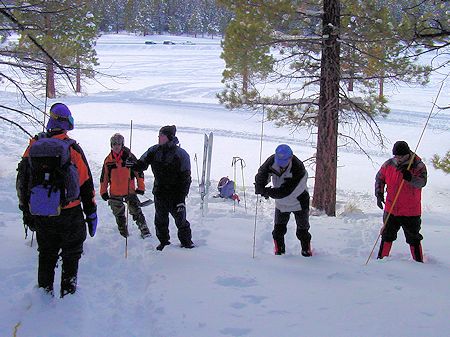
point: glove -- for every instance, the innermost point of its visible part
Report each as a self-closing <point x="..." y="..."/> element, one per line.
<point x="407" y="175"/>
<point x="266" y="192"/>
<point x="105" y="196"/>
<point x="130" y="162"/>
<point x="141" y="192"/>
<point x="28" y="220"/>
<point x="259" y="189"/>
<point x="380" y="201"/>
<point x="92" y="223"/>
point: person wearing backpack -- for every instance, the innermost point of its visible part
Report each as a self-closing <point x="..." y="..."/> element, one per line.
<point x="56" y="195"/>
<point x="290" y="191"/>
<point x="121" y="182"/>
<point x="171" y="168"/>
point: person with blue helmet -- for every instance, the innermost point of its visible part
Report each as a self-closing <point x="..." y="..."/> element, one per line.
<point x="289" y="189"/>
<point x="60" y="235"/>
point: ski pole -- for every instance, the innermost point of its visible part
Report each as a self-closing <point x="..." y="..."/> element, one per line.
<point x="233" y="164"/>
<point x="257" y="197"/>
<point x="409" y="166"/>
<point x="243" y="183"/>
<point x="128" y="192"/>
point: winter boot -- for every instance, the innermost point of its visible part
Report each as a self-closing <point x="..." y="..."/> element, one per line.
<point x="69" y="286"/>
<point x="385" y="248"/>
<point x="123" y="230"/>
<point x="46" y="271"/>
<point x="416" y="252"/>
<point x="279" y="247"/>
<point x="161" y="246"/>
<point x="145" y="232"/>
<point x="50" y="292"/>
<point x="188" y="244"/>
<point x="69" y="276"/>
<point x="306" y="248"/>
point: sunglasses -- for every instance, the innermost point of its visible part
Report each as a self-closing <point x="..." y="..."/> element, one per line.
<point x="62" y="118"/>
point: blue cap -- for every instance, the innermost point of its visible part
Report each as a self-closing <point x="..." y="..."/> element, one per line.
<point x="60" y="117"/>
<point x="283" y="155"/>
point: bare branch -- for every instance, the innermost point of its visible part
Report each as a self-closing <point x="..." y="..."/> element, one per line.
<point x="17" y="125"/>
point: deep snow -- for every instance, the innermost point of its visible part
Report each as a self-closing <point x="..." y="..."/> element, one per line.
<point x="218" y="288"/>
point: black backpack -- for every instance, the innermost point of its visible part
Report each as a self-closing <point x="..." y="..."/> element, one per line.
<point x="54" y="180"/>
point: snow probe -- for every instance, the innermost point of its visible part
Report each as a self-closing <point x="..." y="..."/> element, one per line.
<point x="257" y="196"/>
<point x="141" y="203"/>
<point x="128" y="191"/>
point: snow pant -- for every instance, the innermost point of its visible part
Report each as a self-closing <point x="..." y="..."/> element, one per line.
<point x="410" y="225"/>
<point x="63" y="236"/>
<point x="411" y="229"/>
<point x="165" y="205"/>
<point x="118" y="209"/>
<point x="280" y="228"/>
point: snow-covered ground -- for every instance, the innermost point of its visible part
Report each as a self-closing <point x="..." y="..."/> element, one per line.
<point x="218" y="288"/>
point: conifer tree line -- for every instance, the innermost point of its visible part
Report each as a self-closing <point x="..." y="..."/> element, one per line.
<point x="192" y="17"/>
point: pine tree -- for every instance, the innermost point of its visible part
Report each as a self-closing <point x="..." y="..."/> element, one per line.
<point x="67" y="31"/>
<point x="442" y="163"/>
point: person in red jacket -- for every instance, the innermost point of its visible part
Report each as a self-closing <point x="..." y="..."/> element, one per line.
<point x="406" y="210"/>
<point x="122" y="187"/>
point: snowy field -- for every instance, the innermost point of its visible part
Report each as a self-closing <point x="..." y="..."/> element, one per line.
<point x="218" y="288"/>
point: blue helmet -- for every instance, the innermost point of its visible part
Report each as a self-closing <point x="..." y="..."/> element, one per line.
<point x="283" y="155"/>
<point x="60" y="117"/>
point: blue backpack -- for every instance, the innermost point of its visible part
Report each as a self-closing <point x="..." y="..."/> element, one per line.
<point x="226" y="188"/>
<point x="54" y="180"/>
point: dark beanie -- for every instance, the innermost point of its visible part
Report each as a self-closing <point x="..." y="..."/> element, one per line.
<point x="400" y="148"/>
<point x="169" y="131"/>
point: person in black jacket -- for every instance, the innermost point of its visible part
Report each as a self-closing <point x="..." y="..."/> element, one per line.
<point x="289" y="189"/>
<point x="64" y="234"/>
<point x="171" y="168"/>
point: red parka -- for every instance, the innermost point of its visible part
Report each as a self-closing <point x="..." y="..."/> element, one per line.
<point x="409" y="200"/>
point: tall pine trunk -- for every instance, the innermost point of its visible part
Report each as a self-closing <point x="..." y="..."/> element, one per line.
<point x="78" y="76"/>
<point x="326" y="160"/>
<point x="245" y="80"/>
<point x="51" y="91"/>
<point x="50" y="71"/>
<point x="381" y="90"/>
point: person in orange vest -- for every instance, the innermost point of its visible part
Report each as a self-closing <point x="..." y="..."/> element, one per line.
<point x="407" y="210"/>
<point x="121" y="182"/>
<point x="64" y="232"/>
